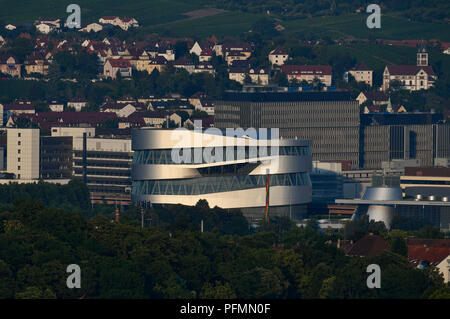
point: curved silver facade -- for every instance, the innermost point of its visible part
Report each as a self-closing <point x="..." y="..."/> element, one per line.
<point x="384" y="213"/>
<point x="184" y="166"/>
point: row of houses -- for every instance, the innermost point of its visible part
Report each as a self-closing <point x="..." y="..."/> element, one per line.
<point x="46" y="26"/>
<point x="121" y="58"/>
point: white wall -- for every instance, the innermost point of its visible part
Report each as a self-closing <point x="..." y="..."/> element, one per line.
<point x="103" y="144"/>
<point x="73" y="131"/>
<point x="23" y="159"/>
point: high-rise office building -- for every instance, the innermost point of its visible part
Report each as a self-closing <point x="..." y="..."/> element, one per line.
<point x="23" y="153"/>
<point x="56" y="157"/>
<point x="105" y="163"/>
<point x="331" y="120"/>
<point x="386" y="137"/>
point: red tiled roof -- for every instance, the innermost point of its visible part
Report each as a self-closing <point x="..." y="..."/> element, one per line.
<point x="279" y="51"/>
<point x="206" y="52"/>
<point x="361" y="67"/>
<point x="108" y="17"/>
<point x="369" y="246"/>
<point x="409" y="69"/>
<point x="307" y="69"/>
<point x="432" y="251"/>
<point x="51" y="119"/>
<point x="119" y="63"/>
<point x="18" y="106"/>
<point x="184" y="61"/>
<point x="376" y="96"/>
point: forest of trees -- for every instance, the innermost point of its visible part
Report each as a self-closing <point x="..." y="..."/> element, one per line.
<point x="171" y="258"/>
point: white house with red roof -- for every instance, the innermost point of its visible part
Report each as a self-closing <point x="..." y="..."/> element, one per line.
<point x="362" y="73"/>
<point x="308" y="73"/>
<point x="10" y="65"/>
<point x="77" y="103"/>
<point x="114" y="66"/>
<point x="412" y="77"/>
<point x="122" y="22"/>
<point x="205" y="55"/>
<point x="278" y="56"/>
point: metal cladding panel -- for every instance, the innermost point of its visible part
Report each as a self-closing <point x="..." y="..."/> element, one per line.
<point x="383" y="193"/>
<point x="255" y="197"/>
<point x="143" y="139"/>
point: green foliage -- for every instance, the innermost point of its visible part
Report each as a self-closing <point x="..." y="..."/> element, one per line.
<point x="356" y="229"/>
<point x="173" y="259"/>
<point x="74" y="195"/>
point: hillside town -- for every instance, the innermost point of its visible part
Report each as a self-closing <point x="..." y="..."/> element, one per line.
<point x="361" y="144"/>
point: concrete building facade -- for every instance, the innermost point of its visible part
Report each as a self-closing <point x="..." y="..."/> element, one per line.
<point x="23" y="153"/>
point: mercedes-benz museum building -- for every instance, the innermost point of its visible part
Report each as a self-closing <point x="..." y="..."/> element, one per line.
<point x="228" y="170"/>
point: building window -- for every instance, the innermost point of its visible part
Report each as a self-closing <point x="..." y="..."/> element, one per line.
<point x="18" y="143"/>
<point x="19" y="134"/>
<point x="18" y="159"/>
<point x="18" y="168"/>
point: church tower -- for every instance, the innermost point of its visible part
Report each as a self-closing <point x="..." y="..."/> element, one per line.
<point x="422" y="55"/>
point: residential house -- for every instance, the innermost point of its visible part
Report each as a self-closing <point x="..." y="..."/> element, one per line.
<point x="53" y="22"/>
<point x="308" y="73"/>
<point x="36" y="63"/>
<point x="56" y="106"/>
<point x="185" y="63"/>
<point x="124" y="23"/>
<point x="430" y="253"/>
<point x="158" y="63"/>
<point x="205" y="105"/>
<point x="47" y="120"/>
<point x="278" y="56"/>
<point x="445" y="47"/>
<point x="113" y="67"/>
<point x="121" y="109"/>
<point x="10" y="27"/>
<point x="156" y="118"/>
<point x="77" y="103"/>
<point x="204" y="67"/>
<point x="15" y="109"/>
<point x="205" y="55"/>
<point x="243" y="48"/>
<point x="10" y="65"/>
<point x="362" y="73"/>
<point x="92" y="27"/>
<point x="235" y="55"/>
<point x="412" y="77"/>
<point x="259" y="75"/>
<point x="373" y="98"/>
<point x="45" y="28"/>
<point x="198" y="47"/>
<point x="369" y="246"/>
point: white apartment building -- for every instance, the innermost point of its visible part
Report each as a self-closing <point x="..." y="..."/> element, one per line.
<point x="73" y="131"/>
<point x="23" y="153"/>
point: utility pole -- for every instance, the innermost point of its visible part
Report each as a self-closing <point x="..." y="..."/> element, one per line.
<point x="142" y="217"/>
<point x="201" y="226"/>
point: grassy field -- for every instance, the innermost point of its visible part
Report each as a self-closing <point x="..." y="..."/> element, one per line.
<point x="147" y="12"/>
<point x="225" y="24"/>
<point x="167" y="16"/>
<point x="392" y="27"/>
